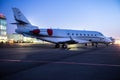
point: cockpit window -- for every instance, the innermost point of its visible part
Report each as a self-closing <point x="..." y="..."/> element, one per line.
<point x="101" y="34"/>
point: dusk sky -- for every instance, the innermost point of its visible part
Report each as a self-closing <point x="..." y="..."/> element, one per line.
<point x="96" y="15"/>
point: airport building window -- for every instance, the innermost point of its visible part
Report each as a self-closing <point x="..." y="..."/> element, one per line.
<point x="3" y="26"/>
<point x="2" y="32"/>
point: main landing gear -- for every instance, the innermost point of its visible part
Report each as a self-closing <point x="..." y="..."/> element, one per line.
<point x="57" y="46"/>
<point x="107" y="44"/>
<point x="64" y="46"/>
<point x="95" y="44"/>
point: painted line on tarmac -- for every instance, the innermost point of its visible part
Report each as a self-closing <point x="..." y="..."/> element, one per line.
<point x="71" y="63"/>
<point x="89" y="64"/>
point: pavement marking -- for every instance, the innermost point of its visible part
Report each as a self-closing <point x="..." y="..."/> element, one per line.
<point x="61" y="62"/>
<point x="90" y="64"/>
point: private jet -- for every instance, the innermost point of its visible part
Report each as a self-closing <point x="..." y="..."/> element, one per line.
<point x="60" y="37"/>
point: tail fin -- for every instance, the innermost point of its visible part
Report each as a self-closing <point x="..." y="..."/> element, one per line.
<point x="19" y="17"/>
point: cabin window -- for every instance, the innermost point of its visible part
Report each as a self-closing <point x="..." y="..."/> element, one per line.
<point x="68" y="33"/>
<point x="95" y="34"/>
<point x="87" y="34"/>
<point x="72" y="33"/>
<point x="84" y="34"/>
<point x="76" y="34"/>
<point x="91" y="34"/>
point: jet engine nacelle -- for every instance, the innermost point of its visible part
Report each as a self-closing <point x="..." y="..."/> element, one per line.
<point x="28" y="30"/>
<point x="35" y="31"/>
<point x="46" y="32"/>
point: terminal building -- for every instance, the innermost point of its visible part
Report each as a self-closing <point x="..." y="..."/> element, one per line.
<point x="3" y="28"/>
<point x="13" y="38"/>
<point x="18" y="38"/>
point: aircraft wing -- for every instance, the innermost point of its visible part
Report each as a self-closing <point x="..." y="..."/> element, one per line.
<point x="81" y="41"/>
<point x="69" y="40"/>
<point x="57" y="40"/>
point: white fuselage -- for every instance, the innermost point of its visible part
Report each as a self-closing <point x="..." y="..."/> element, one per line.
<point x="61" y="35"/>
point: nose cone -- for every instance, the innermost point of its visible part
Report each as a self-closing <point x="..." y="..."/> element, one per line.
<point x="108" y="40"/>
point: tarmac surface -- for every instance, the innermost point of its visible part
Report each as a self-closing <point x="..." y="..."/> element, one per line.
<point x="47" y="63"/>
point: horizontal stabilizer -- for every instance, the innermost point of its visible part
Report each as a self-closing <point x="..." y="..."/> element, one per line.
<point x="19" y="23"/>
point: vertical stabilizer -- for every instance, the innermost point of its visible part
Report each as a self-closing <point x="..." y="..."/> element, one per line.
<point x="19" y="17"/>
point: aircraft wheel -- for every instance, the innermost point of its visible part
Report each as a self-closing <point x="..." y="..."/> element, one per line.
<point x="96" y="45"/>
<point x="57" y="46"/>
<point x="85" y="44"/>
<point x="92" y="44"/>
<point x="107" y="44"/>
<point x="64" y="46"/>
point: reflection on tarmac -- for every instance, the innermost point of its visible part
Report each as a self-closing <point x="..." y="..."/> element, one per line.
<point x="79" y="47"/>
